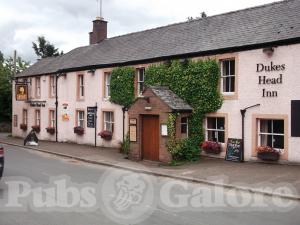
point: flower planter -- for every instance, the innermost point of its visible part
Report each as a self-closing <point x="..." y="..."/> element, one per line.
<point x="267" y="153"/>
<point x="36" y="129"/>
<point x="211" y="147"/>
<point x="106" y="135"/>
<point x="50" y="130"/>
<point x="78" y="130"/>
<point x="23" y="127"/>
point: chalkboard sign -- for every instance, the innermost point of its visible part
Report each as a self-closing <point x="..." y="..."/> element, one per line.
<point x="91" y="117"/>
<point x="234" y="150"/>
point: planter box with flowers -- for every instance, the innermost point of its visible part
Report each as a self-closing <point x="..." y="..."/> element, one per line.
<point x="106" y="135"/>
<point x="267" y="153"/>
<point x="36" y="129"/>
<point x="211" y="147"/>
<point x="79" y="130"/>
<point x="50" y="130"/>
<point x="23" y="127"/>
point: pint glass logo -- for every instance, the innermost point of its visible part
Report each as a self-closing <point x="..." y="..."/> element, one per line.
<point x="128" y="197"/>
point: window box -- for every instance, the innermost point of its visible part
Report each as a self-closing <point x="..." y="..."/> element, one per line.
<point x="50" y="130"/>
<point x="36" y="128"/>
<point x="211" y="147"/>
<point x="267" y="153"/>
<point x="106" y="135"/>
<point x="79" y="130"/>
<point x="23" y="127"/>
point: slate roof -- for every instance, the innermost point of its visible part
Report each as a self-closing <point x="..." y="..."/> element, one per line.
<point x="273" y="23"/>
<point x="170" y="98"/>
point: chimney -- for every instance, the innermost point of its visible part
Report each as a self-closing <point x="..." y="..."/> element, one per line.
<point x="99" y="32"/>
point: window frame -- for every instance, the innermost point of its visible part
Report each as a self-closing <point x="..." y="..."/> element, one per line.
<point x="140" y="83"/>
<point x="52" y="86"/>
<point x="25" y="117"/>
<point x="107" y="79"/>
<point x="81" y="86"/>
<point x="224" y="77"/>
<point x="110" y="122"/>
<point x="78" y="119"/>
<point x="38" y="87"/>
<point x="216" y="129"/>
<point x="37" y="119"/>
<point x="184" y="124"/>
<point x="52" y="119"/>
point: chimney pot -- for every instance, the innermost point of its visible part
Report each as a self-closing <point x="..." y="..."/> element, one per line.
<point x="99" y="32"/>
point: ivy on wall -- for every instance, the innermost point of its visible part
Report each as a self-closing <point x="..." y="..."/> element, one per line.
<point x="197" y="83"/>
<point x="122" y="86"/>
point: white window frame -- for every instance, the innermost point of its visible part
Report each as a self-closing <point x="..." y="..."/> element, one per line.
<point x="37" y="117"/>
<point x="81" y="85"/>
<point x="38" y="87"/>
<point x="52" y="118"/>
<point x="223" y="77"/>
<point x="215" y="130"/>
<point x="80" y="118"/>
<point x="52" y="86"/>
<point x="107" y="85"/>
<point x="25" y="116"/>
<point x="108" y="121"/>
<point x="270" y="134"/>
<point x="140" y="82"/>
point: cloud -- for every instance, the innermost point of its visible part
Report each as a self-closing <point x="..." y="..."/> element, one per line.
<point x="67" y="23"/>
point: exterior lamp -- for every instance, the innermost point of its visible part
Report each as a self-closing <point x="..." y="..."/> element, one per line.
<point x="92" y="71"/>
<point x="269" y="51"/>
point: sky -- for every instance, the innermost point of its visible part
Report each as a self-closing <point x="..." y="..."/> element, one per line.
<point x="66" y="23"/>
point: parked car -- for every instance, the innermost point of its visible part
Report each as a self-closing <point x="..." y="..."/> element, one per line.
<point x="1" y="160"/>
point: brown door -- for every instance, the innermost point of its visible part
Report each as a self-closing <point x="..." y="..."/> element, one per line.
<point x="150" y="138"/>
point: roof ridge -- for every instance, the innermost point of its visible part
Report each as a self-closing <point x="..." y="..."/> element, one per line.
<point x="196" y="20"/>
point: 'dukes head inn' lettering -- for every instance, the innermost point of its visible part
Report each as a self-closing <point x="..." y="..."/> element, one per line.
<point x="264" y="80"/>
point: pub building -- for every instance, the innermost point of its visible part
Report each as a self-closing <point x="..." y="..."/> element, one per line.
<point x="258" y="50"/>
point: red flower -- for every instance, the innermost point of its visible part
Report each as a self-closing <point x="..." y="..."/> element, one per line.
<point x="107" y="135"/>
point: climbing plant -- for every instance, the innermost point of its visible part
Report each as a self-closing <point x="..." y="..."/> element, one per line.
<point x="197" y="83"/>
<point x="122" y="86"/>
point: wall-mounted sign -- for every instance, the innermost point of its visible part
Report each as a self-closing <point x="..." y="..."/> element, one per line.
<point x="132" y="133"/>
<point x="65" y="112"/>
<point x="91" y="117"/>
<point x="37" y="103"/>
<point x="164" y="129"/>
<point x="267" y="80"/>
<point x="21" y="92"/>
<point x="234" y="150"/>
<point x="132" y="121"/>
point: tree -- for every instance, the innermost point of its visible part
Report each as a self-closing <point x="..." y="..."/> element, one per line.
<point x="44" y="48"/>
<point x="6" y="75"/>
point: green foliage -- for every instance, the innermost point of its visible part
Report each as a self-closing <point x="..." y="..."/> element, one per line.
<point x="6" y="75"/>
<point x="122" y="86"/>
<point x="44" y="48"/>
<point x="125" y="146"/>
<point x="197" y="83"/>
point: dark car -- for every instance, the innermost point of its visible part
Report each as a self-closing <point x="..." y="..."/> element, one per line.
<point x="1" y="160"/>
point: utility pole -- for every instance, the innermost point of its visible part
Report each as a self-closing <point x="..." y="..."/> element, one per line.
<point x="15" y="63"/>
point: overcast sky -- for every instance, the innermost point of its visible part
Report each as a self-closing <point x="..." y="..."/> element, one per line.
<point x="66" y="23"/>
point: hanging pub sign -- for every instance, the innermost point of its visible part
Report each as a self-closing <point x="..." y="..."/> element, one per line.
<point x="91" y="117"/>
<point x="21" y="92"/>
<point x="234" y="150"/>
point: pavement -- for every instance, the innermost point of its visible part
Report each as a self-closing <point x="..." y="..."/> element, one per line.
<point x="248" y="176"/>
<point x="183" y="204"/>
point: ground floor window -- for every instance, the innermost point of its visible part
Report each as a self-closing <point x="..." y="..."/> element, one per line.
<point x="52" y="118"/>
<point x="80" y="118"/>
<point x="15" y="120"/>
<point x="37" y="117"/>
<point x="108" y="121"/>
<point x="271" y="133"/>
<point x="25" y="117"/>
<point x="184" y="126"/>
<point x="215" y="129"/>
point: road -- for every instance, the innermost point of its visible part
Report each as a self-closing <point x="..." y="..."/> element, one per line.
<point x="164" y="201"/>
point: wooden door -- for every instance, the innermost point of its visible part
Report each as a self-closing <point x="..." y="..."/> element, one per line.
<point x="150" y="138"/>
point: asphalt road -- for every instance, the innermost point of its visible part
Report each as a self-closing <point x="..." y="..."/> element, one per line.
<point x="134" y="198"/>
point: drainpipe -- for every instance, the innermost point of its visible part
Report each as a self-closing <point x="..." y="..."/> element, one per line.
<point x="124" y="109"/>
<point x="243" y="113"/>
<point x="56" y="106"/>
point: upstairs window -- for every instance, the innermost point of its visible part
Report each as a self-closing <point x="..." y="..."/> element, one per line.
<point x="52" y="86"/>
<point x="215" y="129"/>
<point x="271" y="133"/>
<point x="109" y="121"/>
<point x="37" y="87"/>
<point x="80" y="86"/>
<point x="80" y="118"/>
<point x="228" y="76"/>
<point x="141" y="80"/>
<point x="107" y="78"/>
